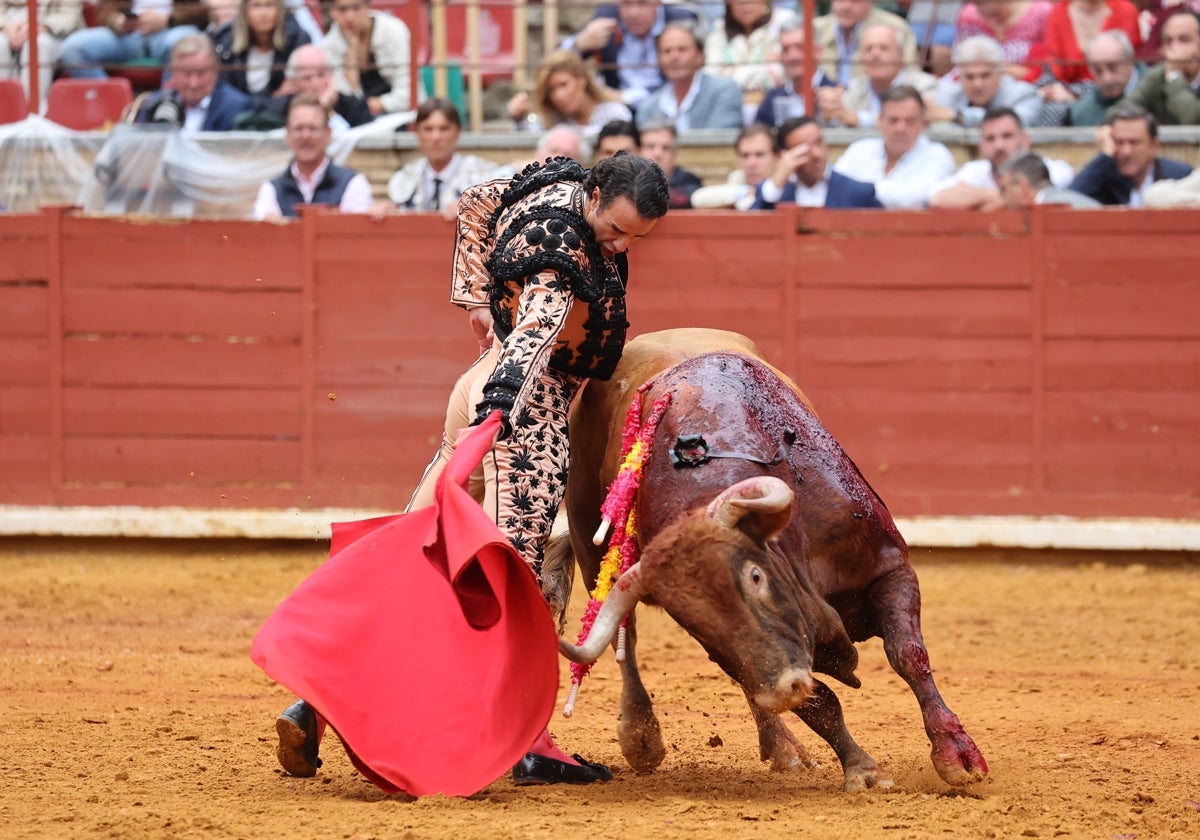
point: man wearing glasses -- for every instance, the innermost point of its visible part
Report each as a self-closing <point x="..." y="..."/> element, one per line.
<point x="311" y="178"/>
<point x="197" y="100"/>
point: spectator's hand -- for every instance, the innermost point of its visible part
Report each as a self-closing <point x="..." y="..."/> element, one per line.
<point x="1104" y="141"/>
<point x="480" y="319"/>
<point x="381" y="209"/>
<point x="120" y="24"/>
<point x="450" y="213"/>
<point x="519" y="105"/>
<point x="790" y="161"/>
<point x="329" y="96"/>
<point x="831" y="101"/>
<point x="596" y="35"/>
<point x="1056" y="92"/>
<point x="17" y="33"/>
<point x="148" y="23"/>
<point x="375" y="104"/>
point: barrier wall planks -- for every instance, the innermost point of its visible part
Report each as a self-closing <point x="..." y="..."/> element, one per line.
<point x="972" y="364"/>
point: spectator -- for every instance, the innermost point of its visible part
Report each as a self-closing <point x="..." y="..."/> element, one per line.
<point x="933" y="23"/>
<point x="802" y="174"/>
<point x="1182" y="193"/>
<point x="744" y="43"/>
<point x="975" y="185"/>
<point x="617" y="136"/>
<point x="1018" y="26"/>
<point x="659" y="144"/>
<point x="255" y="46"/>
<point x="1072" y="24"/>
<point x="437" y="179"/>
<point x="129" y="31"/>
<point x="311" y="178"/>
<point x="982" y="84"/>
<point x="1110" y="57"/>
<point x="370" y="52"/>
<point x="623" y="36"/>
<point x="561" y="141"/>
<point x="566" y="93"/>
<point x="198" y="100"/>
<point x="309" y="23"/>
<point x="1122" y="175"/>
<point x="839" y="31"/>
<point x="308" y="72"/>
<point x="1153" y="14"/>
<point x="1171" y="91"/>
<point x="882" y="55"/>
<point x="755" y="148"/>
<point x="903" y="164"/>
<point x="220" y="12"/>
<point x="56" y="20"/>
<point x="787" y="100"/>
<point x="1025" y="181"/>
<point x="690" y="98"/>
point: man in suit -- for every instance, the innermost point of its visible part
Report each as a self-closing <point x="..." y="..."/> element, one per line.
<point x="690" y="99"/>
<point x="197" y="100"/>
<point x="659" y="143"/>
<point x="1128" y="162"/>
<point x="1025" y="181"/>
<point x="787" y="100"/>
<point x="802" y="174"/>
<point x="1110" y="58"/>
<point x="622" y="36"/>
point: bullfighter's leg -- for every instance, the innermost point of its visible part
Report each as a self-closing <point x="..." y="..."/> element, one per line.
<point x="823" y="713"/>
<point x="638" y="731"/>
<point x="300" y="730"/>
<point x="776" y="743"/>
<point x="896" y="604"/>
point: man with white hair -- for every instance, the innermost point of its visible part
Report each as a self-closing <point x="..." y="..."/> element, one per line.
<point x="1110" y="57"/>
<point x="979" y="83"/>
<point x="562" y="141"/>
<point x="881" y="51"/>
<point x="838" y="34"/>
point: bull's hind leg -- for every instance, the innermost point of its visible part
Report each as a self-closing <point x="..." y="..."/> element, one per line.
<point x="637" y="732"/>
<point x="896" y="603"/>
<point x="823" y="713"/>
<point x="776" y="743"/>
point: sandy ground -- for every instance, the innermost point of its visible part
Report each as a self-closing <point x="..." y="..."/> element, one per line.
<point x="131" y="710"/>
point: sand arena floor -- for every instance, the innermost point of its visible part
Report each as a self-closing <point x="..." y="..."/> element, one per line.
<point x="132" y="710"/>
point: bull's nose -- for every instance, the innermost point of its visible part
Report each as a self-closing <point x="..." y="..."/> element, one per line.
<point x="793" y="687"/>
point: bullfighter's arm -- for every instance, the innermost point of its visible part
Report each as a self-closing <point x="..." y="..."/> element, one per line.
<point x="470" y="280"/>
<point x="545" y="303"/>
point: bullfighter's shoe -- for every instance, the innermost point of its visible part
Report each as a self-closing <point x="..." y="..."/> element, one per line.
<point x="298" y="740"/>
<point x="536" y="769"/>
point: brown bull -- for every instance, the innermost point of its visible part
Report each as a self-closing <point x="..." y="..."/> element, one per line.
<point x="770" y="549"/>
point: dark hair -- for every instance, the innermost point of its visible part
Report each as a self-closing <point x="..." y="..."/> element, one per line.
<point x="1134" y="112"/>
<point x="619" y="128"/>
<point x="1182" y="12"/>
<point x="1032" y="167"/>
<point x="636" y="178"/>
<point x="755" y="129"/>
<point x="438" y="106"/>
<point x="901" y="93"/>
<point x="787" y="127"/>
<point x="733" y="28"/>
<point x="301" y="100"/>
<point x="993" y="114"/>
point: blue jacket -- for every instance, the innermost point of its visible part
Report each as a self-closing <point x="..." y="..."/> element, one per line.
<point x="226" y="103"/>
<point x="842" y="194"/>
<point x="766" y="110"/>
<point x="328" y="193"/>
<point x="1104" y="182"/>
<point x="608" y="54"/>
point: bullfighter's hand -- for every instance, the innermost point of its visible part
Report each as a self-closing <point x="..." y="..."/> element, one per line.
<point x="481" y="327"/>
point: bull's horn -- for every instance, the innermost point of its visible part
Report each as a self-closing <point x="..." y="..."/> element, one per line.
<point x="765" y="494"/>
<point x="627" y="591"/>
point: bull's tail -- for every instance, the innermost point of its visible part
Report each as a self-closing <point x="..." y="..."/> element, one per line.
<point x="558" y="576"/>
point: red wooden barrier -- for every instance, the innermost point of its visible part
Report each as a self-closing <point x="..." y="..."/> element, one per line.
<point x="970" y="363"/>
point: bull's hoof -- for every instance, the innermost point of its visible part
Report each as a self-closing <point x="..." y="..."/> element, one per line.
<point x="958" y="761"/>
<point x="866" y="778"/>
<point x="642" y="745"/>
<point x="954" y="773"/>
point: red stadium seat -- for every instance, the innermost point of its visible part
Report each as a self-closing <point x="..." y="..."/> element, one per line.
<point x="83" y="104"/>
<point x="13" y="107"/>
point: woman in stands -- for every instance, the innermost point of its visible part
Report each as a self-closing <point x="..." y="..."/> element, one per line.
<point x="1073" y="23"/>
<point x="370" y="53"/>
<point x="254" y="47"/>
<point x="567" y="93"/>
<point x="1019" y="26"/>
<point x="744" y="45"/>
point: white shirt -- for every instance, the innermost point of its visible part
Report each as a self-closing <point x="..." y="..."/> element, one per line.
<point x="806" y="196"/>
<point x="978" y="173"/>
<point x="193" y="118"/>
<point x="910" y="182"/>
<point x="1137" y="196"/>
<point x="356" y="199"/>
<point x="675" y="111"/>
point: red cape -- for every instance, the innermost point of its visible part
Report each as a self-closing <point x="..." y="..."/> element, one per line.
<point x="424" y="641"/>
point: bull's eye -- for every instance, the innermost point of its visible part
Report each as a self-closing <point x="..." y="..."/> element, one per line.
<point x="756" y="576"/>
<point x="754" y="581"/>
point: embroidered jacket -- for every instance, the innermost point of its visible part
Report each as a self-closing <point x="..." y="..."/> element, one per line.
<point x="525" y="250"/>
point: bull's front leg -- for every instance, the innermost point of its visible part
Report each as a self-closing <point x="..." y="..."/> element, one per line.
<point x="638" y="731"/>
<point x="896" y="603"/>
<point x="776" y="743"/>
<point x="823" y="713"/>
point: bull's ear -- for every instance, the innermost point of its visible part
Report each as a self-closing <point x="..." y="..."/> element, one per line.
<point x="835" y="654"/>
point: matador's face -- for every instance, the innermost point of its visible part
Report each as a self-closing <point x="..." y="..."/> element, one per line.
<point x="617" y="225"/>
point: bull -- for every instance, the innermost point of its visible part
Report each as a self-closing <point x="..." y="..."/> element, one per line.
<point x="761" y="538"/>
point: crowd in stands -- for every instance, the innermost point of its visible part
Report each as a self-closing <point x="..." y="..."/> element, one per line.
<point x="642" y="74"/>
